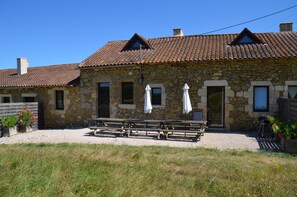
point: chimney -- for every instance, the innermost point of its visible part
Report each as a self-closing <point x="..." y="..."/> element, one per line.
<point x="23" y="65"/>
<point x="286" y="27"/>
<point x="178" y="32"/>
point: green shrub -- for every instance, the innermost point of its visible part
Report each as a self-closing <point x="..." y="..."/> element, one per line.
<point x="290" y="130"/>
<point x="287" y="130"/>
<point x="9" y="121"/>
<point x="276" y="125"/>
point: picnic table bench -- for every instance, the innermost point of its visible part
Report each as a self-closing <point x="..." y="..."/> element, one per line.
<point x="186" y="128"/>
<point x="112" y="125"/>
<point x="167" y="128"/>
<point x="147" y="126"/>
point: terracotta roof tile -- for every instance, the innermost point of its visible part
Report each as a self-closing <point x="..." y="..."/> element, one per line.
<point x="45" y="76"/>
<point x="196" y="48"/>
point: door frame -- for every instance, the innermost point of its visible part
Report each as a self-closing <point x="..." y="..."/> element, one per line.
<point x="97" y="100"/>
<point x="223" y="103"/>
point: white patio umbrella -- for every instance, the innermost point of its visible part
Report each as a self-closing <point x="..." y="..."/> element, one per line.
<point x="187" y="107"/>
<point x="147" y="100"/>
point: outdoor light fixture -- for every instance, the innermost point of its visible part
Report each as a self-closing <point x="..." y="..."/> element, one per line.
<point x="141" y="79"/>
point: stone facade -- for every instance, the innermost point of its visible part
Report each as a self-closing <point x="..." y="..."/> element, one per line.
<point x="70" y="116"/>
<point x="238" y="78"/>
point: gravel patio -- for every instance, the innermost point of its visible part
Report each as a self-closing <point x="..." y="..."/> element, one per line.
<point x="219" y="140"/>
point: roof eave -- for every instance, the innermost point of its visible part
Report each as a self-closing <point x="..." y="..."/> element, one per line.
<point x="41" y="86"/>
<point x="108" y="66"/>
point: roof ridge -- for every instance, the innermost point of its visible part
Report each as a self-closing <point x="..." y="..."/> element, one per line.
<point x="53" y="65"/>
<point x="198" y="35"/>
<point x="7" y="69"/>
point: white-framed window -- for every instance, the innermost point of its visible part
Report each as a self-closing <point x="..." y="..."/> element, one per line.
<point x="5" y="98"/>
<point x="292" y="92"/>
<point x="261" y="98"/>
<point x="28" y="97"/>
<point x="158" y="95"/>
<point x="127" y="93"/>
<point x="59" y="99"/>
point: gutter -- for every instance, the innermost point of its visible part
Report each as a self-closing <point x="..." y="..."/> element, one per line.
<point x="31" y="87"/>
<point x="113" y="66"/>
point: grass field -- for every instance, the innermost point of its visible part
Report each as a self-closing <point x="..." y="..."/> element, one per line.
<point x="106" y="170"/>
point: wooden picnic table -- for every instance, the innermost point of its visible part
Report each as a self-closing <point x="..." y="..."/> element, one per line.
<point x="110" y="119"/>
<point x="112" y="125"/>
<point x="185" y="128"/>
<point x="137" y="126"/>
<point x="165" y="127"/>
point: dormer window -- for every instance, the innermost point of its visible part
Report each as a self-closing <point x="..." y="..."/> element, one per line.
<point x="246" y="37"/>
<point x="136" y="45"/>
<point x="246" y="40"/>
<point x="135" y="42"/>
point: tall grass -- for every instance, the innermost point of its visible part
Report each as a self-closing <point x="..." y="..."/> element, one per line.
<point x="106" y="170"/>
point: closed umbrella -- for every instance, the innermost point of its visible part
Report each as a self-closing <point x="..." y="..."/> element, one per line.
<point x="147" y="100"/>
<point x="187" y="107"/>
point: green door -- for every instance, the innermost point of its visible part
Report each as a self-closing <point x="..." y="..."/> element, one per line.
<point x="215" y="106"/>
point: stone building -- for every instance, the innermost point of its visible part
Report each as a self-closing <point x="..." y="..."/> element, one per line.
<point x="55" y="88"/>
<point x="233" y="79"/>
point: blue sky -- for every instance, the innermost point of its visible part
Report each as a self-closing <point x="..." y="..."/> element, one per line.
<point x="68" y="31"/>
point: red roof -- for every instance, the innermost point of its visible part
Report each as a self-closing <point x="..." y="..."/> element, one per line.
<point x="196" y="48"/>
<point x="46" y="76"/>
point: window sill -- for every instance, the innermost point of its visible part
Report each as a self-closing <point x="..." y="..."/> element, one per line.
<point x="158" y="106"/>
<point x="261" y="110"/>
<point x="60" y="110"/>
<point x="127" y="106"/>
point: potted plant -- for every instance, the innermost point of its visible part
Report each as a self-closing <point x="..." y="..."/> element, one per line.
<point x="9" y="125"/>
<point x="286" y="132"/>
<point x="26" y="120"/>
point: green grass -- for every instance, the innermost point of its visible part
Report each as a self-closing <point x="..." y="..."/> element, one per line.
<point x="106" y="170"/>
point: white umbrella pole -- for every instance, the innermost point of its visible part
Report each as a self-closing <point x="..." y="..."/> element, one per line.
<point x="147" y="101"/>
<point x="187" y="107"/>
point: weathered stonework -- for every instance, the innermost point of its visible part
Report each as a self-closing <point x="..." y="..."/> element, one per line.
<point x="238" y="78"/>
<point x="71" y="116"/>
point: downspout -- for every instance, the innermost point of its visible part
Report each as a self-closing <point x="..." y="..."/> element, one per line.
<point x="140" y="68"/>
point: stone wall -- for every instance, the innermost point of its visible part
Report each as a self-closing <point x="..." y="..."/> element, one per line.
<point x="238" y="78"/>
<point x="71" y="116"/>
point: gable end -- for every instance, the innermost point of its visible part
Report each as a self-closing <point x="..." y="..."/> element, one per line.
<point x="134" y="42"/>
<point x="246" y="37"/>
